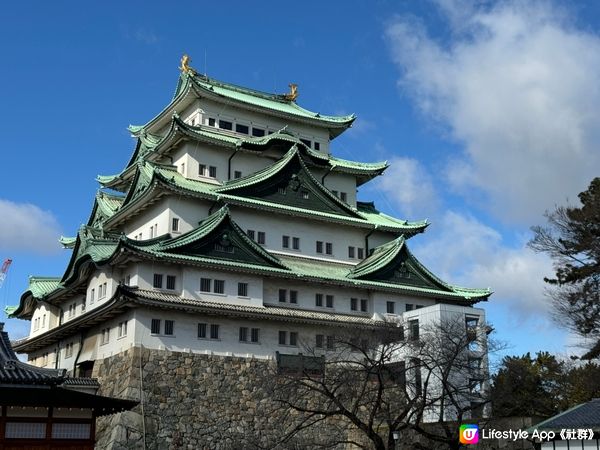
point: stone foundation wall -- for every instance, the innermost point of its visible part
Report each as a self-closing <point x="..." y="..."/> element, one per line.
<point x="191" y="401"/>
<point x="197" y="401"/>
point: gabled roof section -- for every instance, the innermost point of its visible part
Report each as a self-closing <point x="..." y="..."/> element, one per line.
<point x="369" y="212"/>
<point x="274" y="104"/>
<point x="288" y="182"/>
<point x="15" y="372"/>
<point x="148" y="175"/>
<point x="582" y="416"/>
<point x="217" y="237"/>
<point x="394" y="263"/>
<point x="105" y="206"/>
<point x="151" y="147"/>
<point x="39" y="287"/>
<point x="92" y="245"/>
<point x="192" y="85"/>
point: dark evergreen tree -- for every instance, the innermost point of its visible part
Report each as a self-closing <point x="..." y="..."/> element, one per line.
<point x="572" y="239"/>
<point x="526" y="386"/>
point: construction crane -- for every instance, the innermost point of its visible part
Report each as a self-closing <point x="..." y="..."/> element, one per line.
<point x="4" y="270"/>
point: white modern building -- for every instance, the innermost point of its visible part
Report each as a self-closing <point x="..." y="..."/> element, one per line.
<point x="233" y="230"/>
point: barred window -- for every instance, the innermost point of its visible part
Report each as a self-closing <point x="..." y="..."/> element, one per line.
<point x="319" y="341"/>
<point x="318" y="299"/>
<point x="364" y="305"/>
<point x="243" y="334"/>
<point x="329" y="301"/>
<point x="202" y="330"/>
<point x="261" y="237"/>
<point x="155" y="326"/>
<point x="282" y="295"/>
<point x="285" y="241"/>
<point x="205" y="284"/>
<point x="296" y="243"/>
<point x="293" y="296"/>
<point x="319" y="246"/>
<point x="158" y="280"/>
<point x="243" y="289"/>
<point x="219" y="286"/>
<point x="214" y="331"/>
<point x="329" y="248"/>
<point x="169" y="327"/>
<point x="354" y="304"/>
<point x="171" y="282"/>
<point x="254" y="334"/>
<point x="293" y="338"/>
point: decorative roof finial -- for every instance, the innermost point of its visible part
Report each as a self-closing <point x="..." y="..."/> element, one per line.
<point x="185" y="65"/>
<point x="293" y="94"/>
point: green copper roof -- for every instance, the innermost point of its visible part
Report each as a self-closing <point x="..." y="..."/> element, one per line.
<point x="149" y="175"/>
<point x="215" y="228"/>
<point x="41" y="286"/>
<point x="319" y="197"/>
<point x="152" y="147"/>
<point x="197" y="248"/>
<point x="393" y="262"/>
<point x="38" y="289"/>
<point x="105" y="206"/>
<point x="269" y="104"/>
<point x="68" y="242"/>
<point x="263" y="100"/>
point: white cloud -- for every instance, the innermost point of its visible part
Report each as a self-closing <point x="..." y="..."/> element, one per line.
<point x="518" y="85"/>
<point x="463" y="250"/>
<point x="408" y="186"/>
<point x="26" y="227"/>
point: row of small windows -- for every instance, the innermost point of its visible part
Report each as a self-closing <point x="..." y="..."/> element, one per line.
<point x="258" y="236"/>
<point x="168" y="329"/>
<point x="159" y="279"/>
<point x="153" y="232"/>
<point x="121" y="332"/>
<point x="255" y="131"/>
<point x="285" y="242"/>
<point x="207" y="171"/>
<point x="328" y="246"/>
<point x="343" y="196"/>
<point x="391" y="307"/>
<point x="208" y="285"/>
<point x="39" y="320"/>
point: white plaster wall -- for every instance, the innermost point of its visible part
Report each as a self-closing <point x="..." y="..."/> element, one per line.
<point x="155" y="215"/>
<point x="185" y="336"/>
<point x="191" y="286"/>
<point x="309" y="231"/>
<point x="339" y="182"/>
<point x="146" y="271"/>
<point x="52" y="314"/>
<point x="109" y="275"/>
<point x="267" y="122"/>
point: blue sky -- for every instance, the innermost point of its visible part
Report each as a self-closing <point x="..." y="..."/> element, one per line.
<point x="487" y="112"/>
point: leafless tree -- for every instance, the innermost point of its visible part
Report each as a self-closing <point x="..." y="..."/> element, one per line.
<point x="383" y="383"/>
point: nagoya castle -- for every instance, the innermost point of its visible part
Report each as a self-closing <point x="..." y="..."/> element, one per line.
<point x="231" y="237"/>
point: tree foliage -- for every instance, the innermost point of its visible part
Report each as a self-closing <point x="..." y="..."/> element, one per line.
<point x="542" y="385"/>
<point x="572" y="239"/>
<point x="526" y="386"/>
